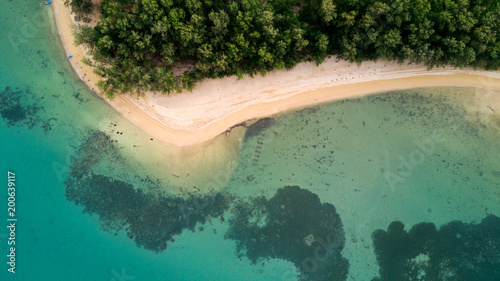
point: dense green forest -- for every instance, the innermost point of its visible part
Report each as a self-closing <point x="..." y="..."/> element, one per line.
<point x="138" y="43"/>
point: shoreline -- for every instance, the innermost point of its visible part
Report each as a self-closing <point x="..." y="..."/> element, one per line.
<point x="196" y="117"/>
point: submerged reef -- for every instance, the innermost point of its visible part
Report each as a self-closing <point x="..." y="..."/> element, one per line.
<point x="96" y="147"/>
<point x="149" y="217"/>
<point x="293" y="225"/>
<point x="258" y="127"/>
<point x="22" y="108"/>
<point x="150" y="220"/>
<point x="457" y="251"/>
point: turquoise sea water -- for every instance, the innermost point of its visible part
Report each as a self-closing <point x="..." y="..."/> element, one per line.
<point x="345" y="191"/>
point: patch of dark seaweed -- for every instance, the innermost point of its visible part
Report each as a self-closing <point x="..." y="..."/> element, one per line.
<point x="277" y="228"/>
<point x="14" y="110"/>
<point x="93" y="149"/>
<point x="78" y="96"/>
<point x="21" y="108"/>
<point x="14" y="113"/>
<point x="457" y="251"/>
<point x="308" y="110"/>
<point x="258" y="127"/>
<point x="150" y="220"/>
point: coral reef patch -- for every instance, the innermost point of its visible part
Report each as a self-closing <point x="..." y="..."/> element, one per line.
<point x="150" y="220"/>
<point x="457" y="251"/>
<point x="292" y="225"/>
<point x="22" y="108"/>
<point x="149" y="217"/>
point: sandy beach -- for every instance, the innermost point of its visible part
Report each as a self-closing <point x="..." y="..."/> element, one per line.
<point x="215" y="105"/>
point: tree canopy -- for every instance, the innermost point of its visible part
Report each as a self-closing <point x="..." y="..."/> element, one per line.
<point x="170" y="45"/>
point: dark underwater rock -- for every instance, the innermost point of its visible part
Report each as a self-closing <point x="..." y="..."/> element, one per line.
<point x="457" y="251"/>
<point x="282" y="227"/>
<point x="258" y="127"/>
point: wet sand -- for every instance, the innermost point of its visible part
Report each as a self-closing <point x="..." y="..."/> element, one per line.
<point x="215" y="105"/>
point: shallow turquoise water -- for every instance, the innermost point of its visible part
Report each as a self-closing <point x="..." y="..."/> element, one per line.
<point x="348" y="153"/>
